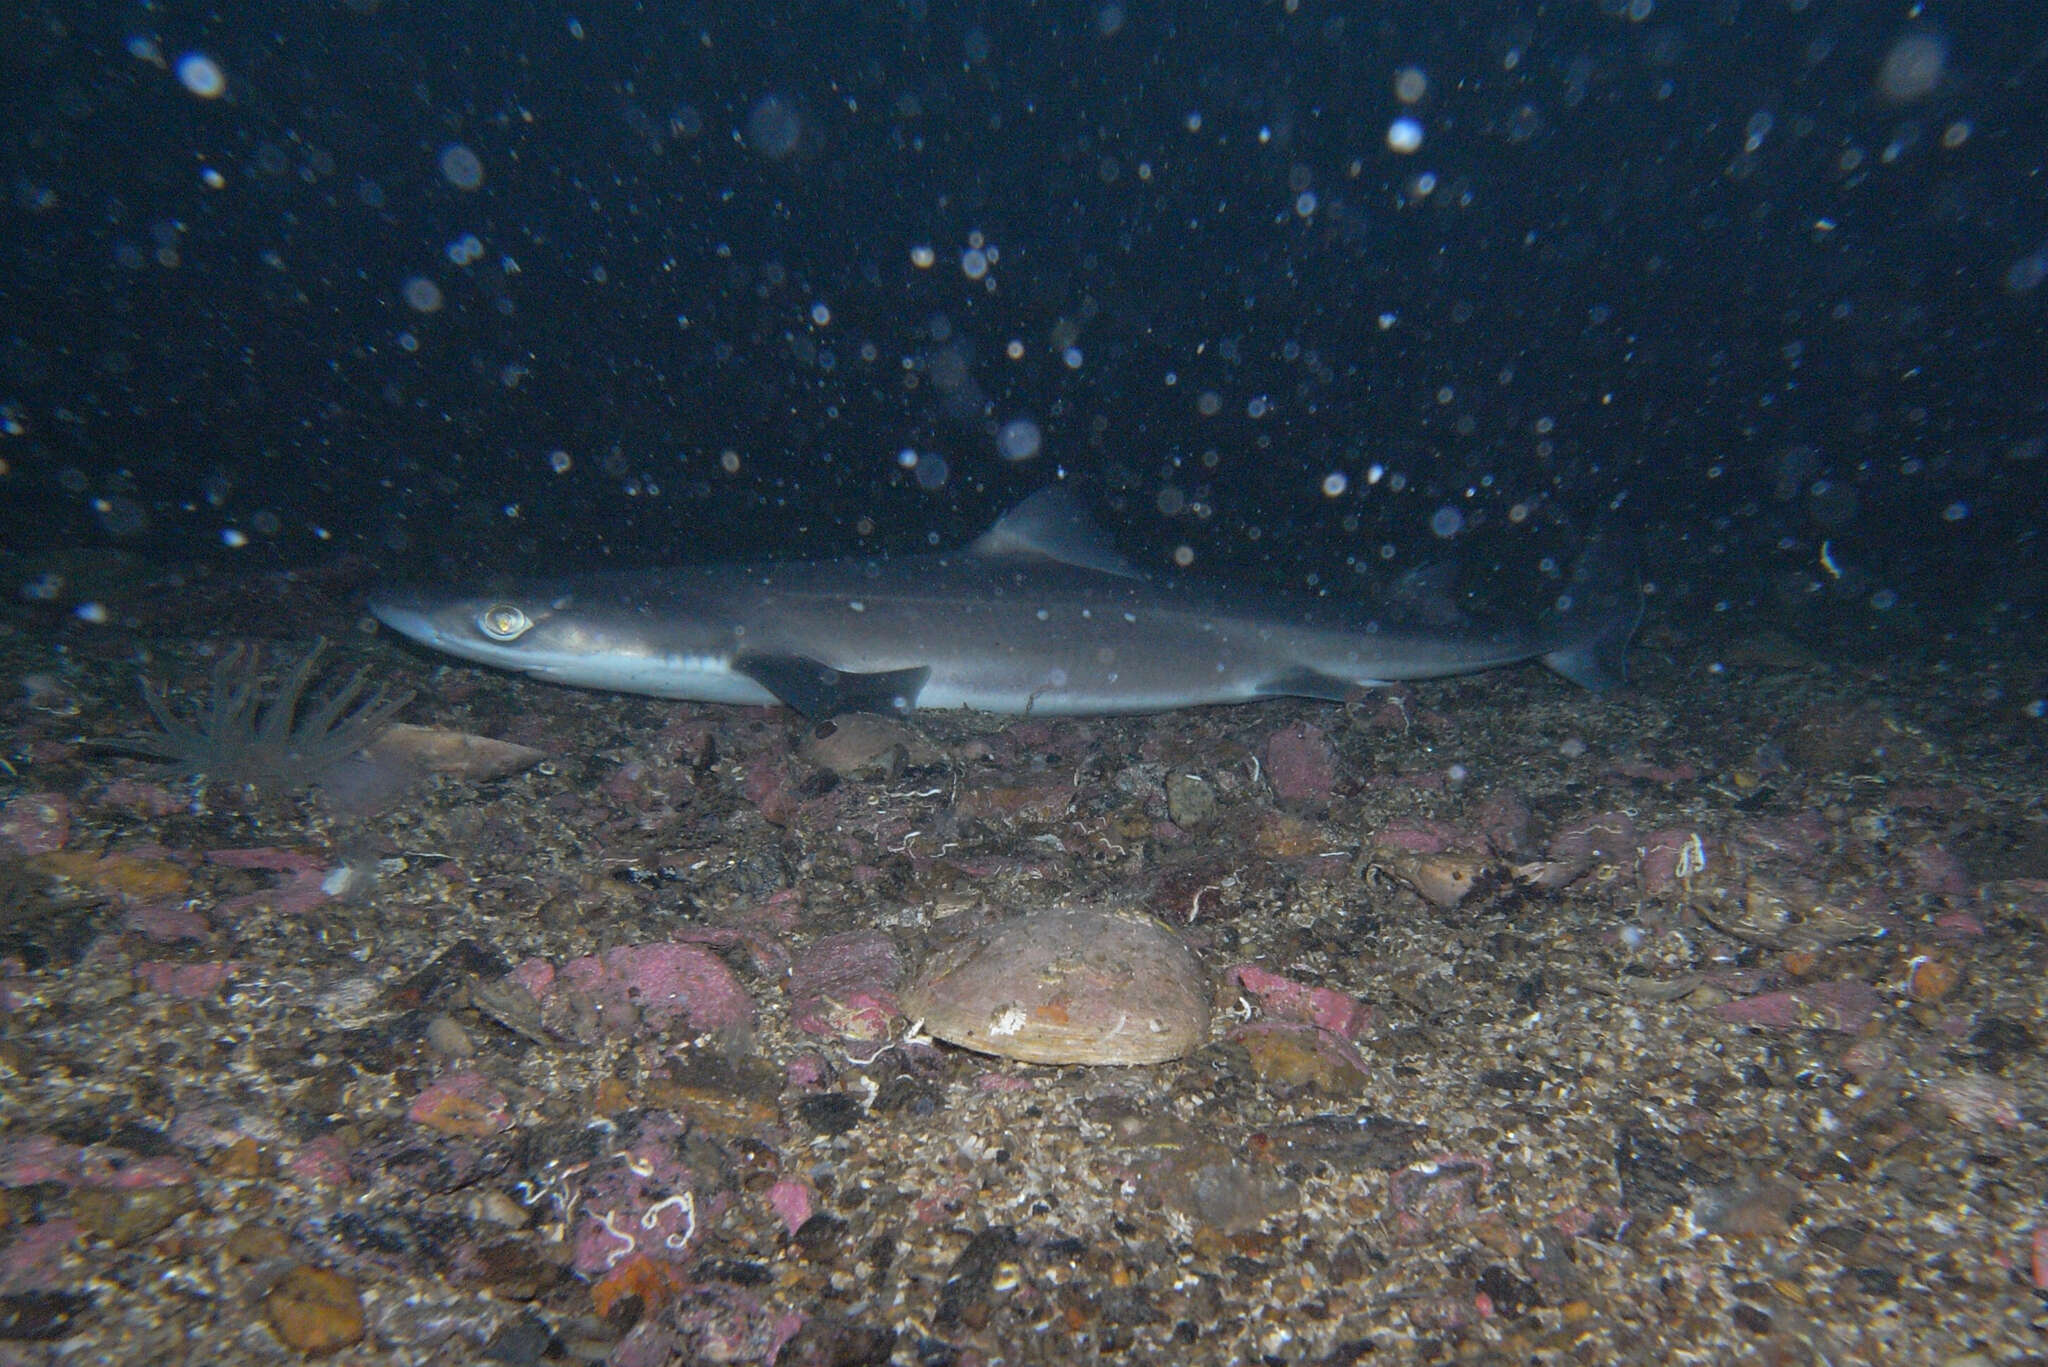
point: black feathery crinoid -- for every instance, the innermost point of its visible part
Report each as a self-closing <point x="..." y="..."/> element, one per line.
<point x="277" y="740"/>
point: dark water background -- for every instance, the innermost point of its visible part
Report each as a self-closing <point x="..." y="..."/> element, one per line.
<point x="1747" y="280"/>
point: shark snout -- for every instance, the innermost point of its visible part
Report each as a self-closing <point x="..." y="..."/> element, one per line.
<point x="405" y="611"/>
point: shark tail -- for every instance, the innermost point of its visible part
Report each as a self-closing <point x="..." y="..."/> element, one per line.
<point x="1587" y="630"/>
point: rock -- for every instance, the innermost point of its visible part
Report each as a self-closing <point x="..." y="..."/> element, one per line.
<point x="861" y="747"/>
<point x="314" y="1310"/>
<point x="793" y="1203"/>
<point x="1066" y="985"/>
<point x="643" y="989"/>
<point x="1190" y="801"/>
<point x="463" y="1104"/>
<point x="845" y="985"/>
<point x="1931" y="977"/>
<point x="1751" y="1210"/>
<point x="35" y="824"/>
<point x="829" y="1341"/>
<point x="1845" y="1007"/>
<point x="40" y="1316"/>
<point x="1302" y="1056"/>
<point x="1673" y="857"/>
<point x="1505" y="821"/>
<point x="127" y="1215"/>
<point x="1286" y="999"/>
<point x="1301" y="764"/>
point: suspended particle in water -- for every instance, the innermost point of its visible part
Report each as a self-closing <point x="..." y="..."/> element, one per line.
<point x="461" y="167"/>
<point x="201" y="75"/>
<point x="1913" y="67"/>
<point x="773" y="127"/>
<point x="2026" y="274"/>
<point x="1019" y="439"/>
<point x="421" y="294"/>
<point x="974" y="263"/>
<point x="1404" y="135"/>
<point x="1411" y="83"/>
<point x="560" y="462"/>
<point x="1446" y="522"/>
<point x="121" y="516"/>
<point x="1335" y="483"/>
<point x="922" y="256"/>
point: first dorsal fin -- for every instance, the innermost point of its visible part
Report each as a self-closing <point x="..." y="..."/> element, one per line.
<point x="1050" y="525"/>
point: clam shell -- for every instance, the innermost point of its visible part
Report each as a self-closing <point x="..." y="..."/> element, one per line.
<point x="1066" y="985"/>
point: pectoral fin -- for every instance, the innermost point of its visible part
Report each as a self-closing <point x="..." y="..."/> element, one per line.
<point x="1307" y="683"/>
<point x="817" y="689"/>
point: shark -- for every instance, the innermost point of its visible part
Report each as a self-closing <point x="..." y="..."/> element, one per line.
<point x="1039" y="616"/>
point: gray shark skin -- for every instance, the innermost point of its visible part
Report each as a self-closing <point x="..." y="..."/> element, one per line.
<point x="1037" y="617"/>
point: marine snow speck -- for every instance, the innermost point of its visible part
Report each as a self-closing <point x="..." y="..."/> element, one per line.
<point x="1039" y="616"/>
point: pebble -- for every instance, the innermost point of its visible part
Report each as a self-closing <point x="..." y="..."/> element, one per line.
<point x="1301" y="764"/>
<point x="1190" y="801"/>
<point x="314" y="1310"/>
<point x="1302" y="1057"/>
<point x="862" y="747"/>
<point x="463" y="1104"/>
<point x="128" y="1215"/>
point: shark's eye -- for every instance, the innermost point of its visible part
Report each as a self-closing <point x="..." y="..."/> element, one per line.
<point x="503" y="622"/>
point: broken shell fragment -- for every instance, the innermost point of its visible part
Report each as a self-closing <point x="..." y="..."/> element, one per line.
<point x="1066" y="985"/>
<point x="1444" y="880"/>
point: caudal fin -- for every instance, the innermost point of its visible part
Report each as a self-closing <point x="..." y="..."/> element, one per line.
<point x="1589" y="626"/>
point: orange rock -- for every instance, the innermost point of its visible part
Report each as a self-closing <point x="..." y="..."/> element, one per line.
<point x="462" y="1104"/>
<point x="243" y="1160"/>
<point x="122" y="875"/>
<point x="1931" y="977"/>
<point x="255" y="1243"/>
<point x="610" y="1096"/>
<point x="653" y="1282"/>
<point x="314" y="1310"/>
<point x="1282" y="835"/>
